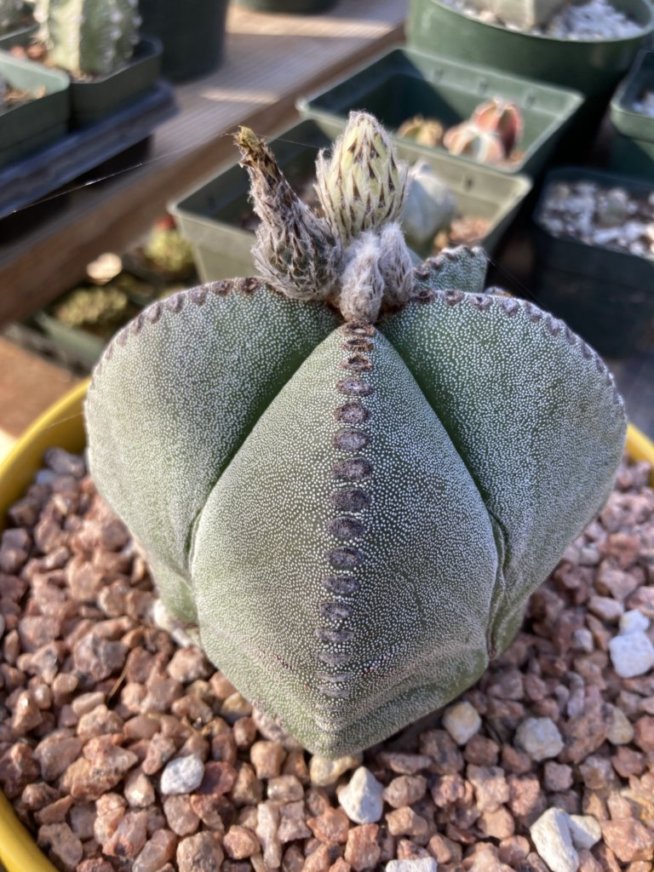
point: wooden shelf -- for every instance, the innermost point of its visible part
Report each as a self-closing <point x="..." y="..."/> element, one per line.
<point x="270" y="61"/>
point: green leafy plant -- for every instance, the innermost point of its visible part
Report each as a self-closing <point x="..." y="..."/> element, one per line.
<point x="89" y="37"/>
<point x="350" y="473"/>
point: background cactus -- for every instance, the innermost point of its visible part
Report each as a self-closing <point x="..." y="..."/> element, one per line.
<point x="470" y="140"/>
<point x="12" y="13"/>
<point x="89" y="37"/>
<point x="98" y="310"/>
<point x="429" y="206"/>
<point x="354" y="513"/>
<point x="502" y="118"/>
<point x="423" y="131"/>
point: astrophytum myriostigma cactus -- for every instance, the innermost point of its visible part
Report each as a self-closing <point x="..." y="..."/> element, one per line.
<point x="352" y="489"/>
<point x="89" y="37"/>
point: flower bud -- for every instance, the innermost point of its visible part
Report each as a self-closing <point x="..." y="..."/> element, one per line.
<point x="361" y="187"/>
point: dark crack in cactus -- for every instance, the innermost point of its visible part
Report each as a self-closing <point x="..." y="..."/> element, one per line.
<point x="89" y="37"/>
<point x="354" y="493"/>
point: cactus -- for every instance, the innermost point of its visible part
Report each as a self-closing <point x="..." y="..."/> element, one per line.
<point x="167" y="249"/>
<point x="98" y="310"/>
<point x="422" y="131"/>
<point x="352" y="489"/>
<point x="502" y="118"/>
<point x="469" y="140"/>
<point x="429" y="206"/>
<point x="12" y="12"/>
<point x="89" y="37"/>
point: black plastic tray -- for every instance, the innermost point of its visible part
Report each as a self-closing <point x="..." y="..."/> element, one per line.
<point x="28" y="180"/>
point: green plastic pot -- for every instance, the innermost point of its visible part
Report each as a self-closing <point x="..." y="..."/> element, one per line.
<point x="22" y="34"/>
<point x="632" y="145"/>
<point x="30" y="126"/>
<point x="94" y="99"/>
<point x="293" y="7"/>
<point x="593" y="67"/>
<point x="402" y="82"/>
<point x="606" y="296"/>
<point x="209" y="216"/>
<point x="192" y="33"/>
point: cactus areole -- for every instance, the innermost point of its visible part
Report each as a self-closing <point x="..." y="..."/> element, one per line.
<point x="350" y="473"/>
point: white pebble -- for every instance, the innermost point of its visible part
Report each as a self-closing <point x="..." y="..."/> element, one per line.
<point x="633" y="621"/>
<point x="424" y="864"/>
<point x="585" y="831"/>
<point x="553" y="840"/>
<point x="182" y="775"/>
<point x="462" y="722"/>
<point x="632" y="654"/>
<point x="540" y="738"/>
<point x="582" y="640"/>
<point x="361" y="799"/>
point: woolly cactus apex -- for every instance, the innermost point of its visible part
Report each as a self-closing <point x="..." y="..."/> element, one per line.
<point x="354" y="514"/>
<point x="361" y="187"/>
<point x="295" y="250"/>
<point x="90" y="37"/>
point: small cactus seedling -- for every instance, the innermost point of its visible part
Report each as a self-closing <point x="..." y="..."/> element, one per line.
<point x="12" y="12"/>
<point x="422" y="131"/>
<point x="502" y="118"/>
<point x="89" y="37"/>
<point x="429" y="206"/>
<point x="469" y="140"/>
<point x="352" y="475"/>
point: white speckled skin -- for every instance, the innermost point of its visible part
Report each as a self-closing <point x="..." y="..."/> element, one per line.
<point x="356" y="514"/>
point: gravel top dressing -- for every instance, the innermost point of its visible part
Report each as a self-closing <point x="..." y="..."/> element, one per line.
<point x="121" y="749"/>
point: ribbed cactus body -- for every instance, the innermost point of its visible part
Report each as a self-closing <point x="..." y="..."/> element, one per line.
<point x="354" y="513"/>
<point x="92" y="37"/>
<point x="11" y="14"/>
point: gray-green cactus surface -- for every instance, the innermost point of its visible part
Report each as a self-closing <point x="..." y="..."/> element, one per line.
<point x="353" y="513"/>
<point x="90" y="37"/>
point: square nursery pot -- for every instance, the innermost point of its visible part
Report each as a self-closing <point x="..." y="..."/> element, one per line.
<point x="62" y="426"/>
<point x="30" y="126"/>
<point x="593" y="67"/>
<point x="192" y="33"/>
<point x="292" y="7"/>
<point x="606" y="296"/>
<point x="401" y="83"/>
<point x="632" y="146"/>
<point x="22" y="33"/>
<point x="94" y="98"/>
<point x="210" y="217"/>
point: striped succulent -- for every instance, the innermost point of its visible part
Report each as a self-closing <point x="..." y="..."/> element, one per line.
<point x="352" y="497"/>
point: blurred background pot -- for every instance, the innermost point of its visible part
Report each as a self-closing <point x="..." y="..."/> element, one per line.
<point x="192" y="33"/>
<point x="293" y="7"/>
<point x="593" y="67"/>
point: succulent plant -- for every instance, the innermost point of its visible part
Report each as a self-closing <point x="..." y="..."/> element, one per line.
<point x="12" y="13"/>
<point x="167" y="249"/>
<point x="89" y="37"/>
<point x="422" y="131"/>
<point x="99" y="310"/>
<point x="469" y="140"/>
<point x="429" y="206"/>
<point x="350" y="476"/>
<point x="502" y="118"/>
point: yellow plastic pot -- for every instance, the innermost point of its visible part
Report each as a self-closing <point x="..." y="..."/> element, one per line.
<point x="63" y="425"/>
